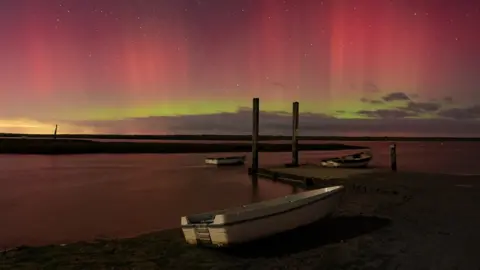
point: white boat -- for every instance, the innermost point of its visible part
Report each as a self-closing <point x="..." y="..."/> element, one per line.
<point x="258" y="220"/>
<point x="236" y="160"/>
<point x="358" y="160"/>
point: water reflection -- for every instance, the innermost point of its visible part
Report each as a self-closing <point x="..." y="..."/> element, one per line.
<point x="255" y="194"/>
<point x="81" y="197"/>
<point x="71" y="198"/>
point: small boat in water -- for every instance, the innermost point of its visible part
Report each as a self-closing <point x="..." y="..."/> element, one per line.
<point x="237" y="160"/>
<point x="358" y="160"/>
<point x="258" y="220"/>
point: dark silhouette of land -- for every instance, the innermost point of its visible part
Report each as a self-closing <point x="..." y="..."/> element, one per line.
<point x="237" y="137"/>
<point x="79" y="146"/>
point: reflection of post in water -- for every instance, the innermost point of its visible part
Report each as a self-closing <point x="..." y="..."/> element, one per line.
<point x="294" y="135"/>
<point x="254" y="197"/>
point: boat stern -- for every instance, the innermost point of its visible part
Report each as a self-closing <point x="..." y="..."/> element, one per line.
<point x="204" y="230"/>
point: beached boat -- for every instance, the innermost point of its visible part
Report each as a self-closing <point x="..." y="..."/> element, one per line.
<point x="237" y="160"/>
<point x="358" y="160"/>
<point x="258" y="220"/>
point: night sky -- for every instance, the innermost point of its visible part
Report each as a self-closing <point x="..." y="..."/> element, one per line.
<point x="364" y="67"/>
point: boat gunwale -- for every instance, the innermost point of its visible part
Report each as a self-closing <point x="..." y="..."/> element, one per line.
<point x="226" y="158"/>
<point x="340" y="189"/>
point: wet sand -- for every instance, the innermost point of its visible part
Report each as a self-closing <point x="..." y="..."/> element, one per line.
<point x="386" y="221"/>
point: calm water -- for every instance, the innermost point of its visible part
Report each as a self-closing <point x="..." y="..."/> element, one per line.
<point x="56" y="199"/>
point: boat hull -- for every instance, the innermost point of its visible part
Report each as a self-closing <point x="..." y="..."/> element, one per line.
<point x="222" y="235"/>
<point x="356" y="164"/>
<point x="358" y="160"/>
<point x="225" y="161"/>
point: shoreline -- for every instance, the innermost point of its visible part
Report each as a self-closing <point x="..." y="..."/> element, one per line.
<point x="211" y="137"/>
<point x="385" y="221"/>
<point x="69" y="146"/>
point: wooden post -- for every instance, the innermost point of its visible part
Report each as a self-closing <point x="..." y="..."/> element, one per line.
<point x="256" y="119"/>
<point x="294" y="134"/>
<point x="393" y="157"/>
<point x="55" y="132"/>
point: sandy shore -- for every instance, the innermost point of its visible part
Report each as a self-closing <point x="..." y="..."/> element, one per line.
<point x="386" y="221"/>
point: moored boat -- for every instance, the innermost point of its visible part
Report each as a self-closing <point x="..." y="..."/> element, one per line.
<point x="358" y="160"/>
<point x="258" y="220"/>
<point x="236" y="160"/>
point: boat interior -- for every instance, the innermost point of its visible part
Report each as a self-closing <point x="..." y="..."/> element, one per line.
<point x="207" y="218"/>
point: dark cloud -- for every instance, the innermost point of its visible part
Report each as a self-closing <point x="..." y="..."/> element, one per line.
<point x="396" y="96"/>
<point x="448" y="100"/>
<point x="422" y="107"/>
<point x="467" y="113"/>
<point x="371" y="101"/>
<point x="387" y="113"/>
<point x="412" y="109"/>
<point x="383" y="123"/>
<point x="239" y="122"/>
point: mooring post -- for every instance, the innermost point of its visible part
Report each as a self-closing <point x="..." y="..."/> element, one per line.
<point x="55" y="132"/>
<point x="256" y="119"/>
<point x="393" y="157"/>
<point x="294" y="134"/>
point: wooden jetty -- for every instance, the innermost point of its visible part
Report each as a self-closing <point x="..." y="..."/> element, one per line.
<point x="311" y="175"/>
